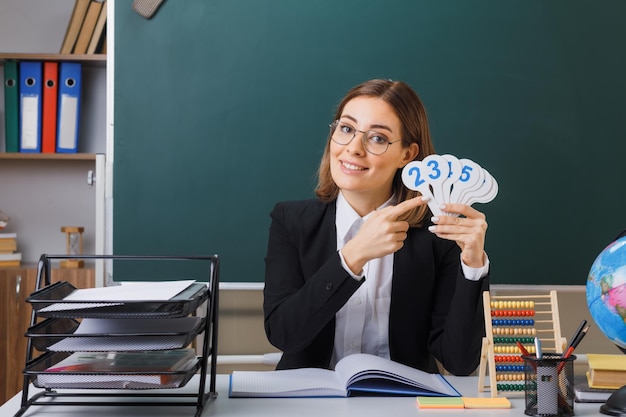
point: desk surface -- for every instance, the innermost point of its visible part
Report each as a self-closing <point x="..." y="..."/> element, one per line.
<point x="276" y="407"/>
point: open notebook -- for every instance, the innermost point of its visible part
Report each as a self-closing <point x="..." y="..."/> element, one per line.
<point x="359" y="374"/>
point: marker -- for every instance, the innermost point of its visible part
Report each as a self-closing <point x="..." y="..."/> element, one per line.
<point x="538" y="350"/>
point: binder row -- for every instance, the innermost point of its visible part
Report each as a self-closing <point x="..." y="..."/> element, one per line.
<point x="42" y="106"/>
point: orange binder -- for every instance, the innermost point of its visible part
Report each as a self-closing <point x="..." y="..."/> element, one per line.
<point x="49" y="114"/>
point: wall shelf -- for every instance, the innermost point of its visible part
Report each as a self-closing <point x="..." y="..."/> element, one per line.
<point x="59" y="175"/>
<point x="49" y="156"/>
<point x="91" y="59"/>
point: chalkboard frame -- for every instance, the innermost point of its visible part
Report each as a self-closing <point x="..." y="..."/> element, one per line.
<point x="221" y="109"/>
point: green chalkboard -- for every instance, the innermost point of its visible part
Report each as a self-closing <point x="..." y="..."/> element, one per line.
<point x="222" y="106"/>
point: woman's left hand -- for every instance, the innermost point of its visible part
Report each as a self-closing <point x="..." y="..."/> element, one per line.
<point x="467" y="230"/>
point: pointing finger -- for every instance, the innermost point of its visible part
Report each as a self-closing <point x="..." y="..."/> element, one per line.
<point x="401" y="208"/>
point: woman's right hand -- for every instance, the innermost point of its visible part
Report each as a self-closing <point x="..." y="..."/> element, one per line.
<point x="380" y="235"/>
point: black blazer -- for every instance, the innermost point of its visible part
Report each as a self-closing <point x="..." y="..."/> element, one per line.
<point x="435" y="312"/>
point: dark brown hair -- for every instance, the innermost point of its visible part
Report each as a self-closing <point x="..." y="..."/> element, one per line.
<point x="412" y="114"/>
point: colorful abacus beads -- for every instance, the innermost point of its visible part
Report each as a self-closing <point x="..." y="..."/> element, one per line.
<point x="507" y="349"/>
<point x="513" y="313"/>
<point x="528" y="304"/>
<point x="512" y="349"/>
<point x="510" y="387"/>
<point x="508" y="358"/>
<point x="509" y="368"/>
<point x="510" y="377"/>
<point x="531" y="331"/>
<point x="514" y="322"/>
<point x="513" y="340"/>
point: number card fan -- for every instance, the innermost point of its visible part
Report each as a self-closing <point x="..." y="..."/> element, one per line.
<point x="447" y="179"/>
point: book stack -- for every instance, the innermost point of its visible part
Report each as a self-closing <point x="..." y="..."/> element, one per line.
<point x="8" y="250"/>
<point x="583" y="393"/>
<point x="606" y="371"/>
<point x="86" y="30"/>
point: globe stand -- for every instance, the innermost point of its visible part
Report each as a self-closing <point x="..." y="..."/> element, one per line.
<point x="616" y="403"/>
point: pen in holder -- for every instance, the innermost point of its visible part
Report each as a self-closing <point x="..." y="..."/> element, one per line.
<point x="549" y="385"/>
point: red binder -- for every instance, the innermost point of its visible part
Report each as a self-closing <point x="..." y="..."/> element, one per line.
<point x="49" y="114"/>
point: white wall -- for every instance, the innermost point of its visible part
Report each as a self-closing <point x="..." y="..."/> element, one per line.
<point x="33" y="25"/>
<point x="42" y="196"/>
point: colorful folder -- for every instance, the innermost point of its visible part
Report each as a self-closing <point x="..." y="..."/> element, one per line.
<point x="70" y="84"/>
<point x="50" y="98"/>
<point x="11" y="106"/>
<point x="30" y="106"/>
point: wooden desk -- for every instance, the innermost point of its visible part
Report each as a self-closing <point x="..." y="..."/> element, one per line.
<point x="287" y="407"/>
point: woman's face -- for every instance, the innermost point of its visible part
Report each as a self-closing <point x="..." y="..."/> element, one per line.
<point x="359" y="173"/>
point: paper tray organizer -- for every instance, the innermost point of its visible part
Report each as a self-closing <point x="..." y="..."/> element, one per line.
<point x="197" y="305"/>
<point x="51" y="331"/>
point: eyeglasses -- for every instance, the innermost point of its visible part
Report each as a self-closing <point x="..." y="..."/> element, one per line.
<point x="374" y="142"/>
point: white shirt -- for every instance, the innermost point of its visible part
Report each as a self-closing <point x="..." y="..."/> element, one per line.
<point x="362" y="324"/>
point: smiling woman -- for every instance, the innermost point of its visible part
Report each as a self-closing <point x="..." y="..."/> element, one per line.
<point x="362" y="269"/>
<point x="363" y="176"/>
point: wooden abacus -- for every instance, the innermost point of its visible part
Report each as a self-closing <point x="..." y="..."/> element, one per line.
<point x="512" y="319"/>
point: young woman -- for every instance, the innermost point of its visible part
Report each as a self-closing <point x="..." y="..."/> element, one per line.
<point x="364" y="268"/>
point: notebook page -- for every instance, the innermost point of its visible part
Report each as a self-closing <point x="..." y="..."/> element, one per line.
<point x="304" y="382"/>
<point x="354" y="367"/>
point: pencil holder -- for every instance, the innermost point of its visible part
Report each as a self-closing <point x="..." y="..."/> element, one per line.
<point x="549" y="385"/>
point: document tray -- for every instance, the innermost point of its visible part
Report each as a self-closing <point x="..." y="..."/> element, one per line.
<point x="134" y="379"/>
<point x="125" y="341"/>
<point x="181" y="305"/>
<point x="53" y="333"/>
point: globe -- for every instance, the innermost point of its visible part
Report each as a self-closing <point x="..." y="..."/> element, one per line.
<point x="606" y="292"/>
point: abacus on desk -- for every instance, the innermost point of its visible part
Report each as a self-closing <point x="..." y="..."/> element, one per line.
<point x="510" y="319"/>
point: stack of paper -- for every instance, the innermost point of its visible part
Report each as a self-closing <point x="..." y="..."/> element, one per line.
<point x="108" y="296"/>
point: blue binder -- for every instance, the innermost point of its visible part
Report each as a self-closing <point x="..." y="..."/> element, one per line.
<point x="70" y="85"/>
<point x="30" y="106"/>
